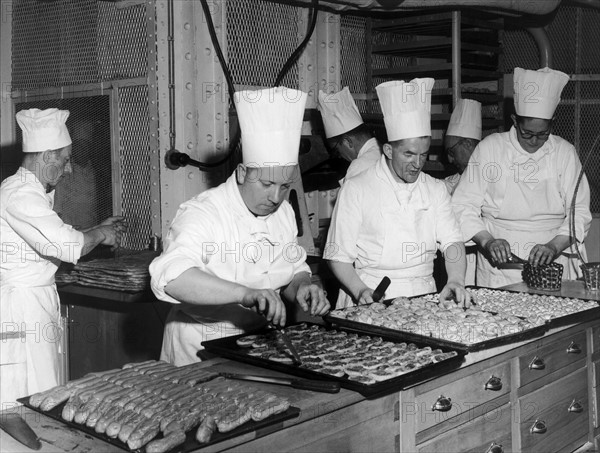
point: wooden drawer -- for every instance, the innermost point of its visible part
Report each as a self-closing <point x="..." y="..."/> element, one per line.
<point x="553" y="356"/>
<point x="596" y="339"/>
<point x="549" y="406"/>
<point x="464" y="394"/>
<point x="476" y="435"/>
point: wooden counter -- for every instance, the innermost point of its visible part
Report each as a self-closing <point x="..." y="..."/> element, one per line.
<point x="549" y="383"/>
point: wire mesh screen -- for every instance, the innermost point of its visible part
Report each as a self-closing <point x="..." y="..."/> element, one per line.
<point x="72" y="42"/>
<point x="354" y="61"/>
<point x="574" y="35"/>
<point x="84" y="197"/>
<point x="261" y="36"/>
<point x="134" y="154"/>
<point x="53" y="43"/>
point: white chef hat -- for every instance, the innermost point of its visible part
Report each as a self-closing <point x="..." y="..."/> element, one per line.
<point x="537" y="93"/>
<point x="406" y="107"/>
<point x="271" y="124"/>
<point x="43" y="130"/>
<point x="466" y="119"/>
<point x="339" y="112"/>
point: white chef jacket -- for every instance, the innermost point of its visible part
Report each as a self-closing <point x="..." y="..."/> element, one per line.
<point x="34" y="241"/>
<point x="216" y="233"/>
<point x="523" y="198"/>
<point x="451" y="182"/>
<point x="389" y="228"/>
<point x="368" y="155"/>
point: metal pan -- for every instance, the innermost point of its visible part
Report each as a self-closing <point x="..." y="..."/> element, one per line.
<point x="228" y="347"/>
<point x="516" y="337"/>
<point x="190" y="444"/>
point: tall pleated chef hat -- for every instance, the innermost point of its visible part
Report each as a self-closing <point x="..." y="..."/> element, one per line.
<point x="537" y="93"/>
<point x="43" y="130"/>
<point x="406" y="107"/>
<point x="466" y="119"/>
<point x="339" y="112"/>
<point x="271" y="124"/>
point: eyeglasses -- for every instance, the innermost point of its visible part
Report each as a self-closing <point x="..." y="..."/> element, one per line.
<point x="529" y="135"/>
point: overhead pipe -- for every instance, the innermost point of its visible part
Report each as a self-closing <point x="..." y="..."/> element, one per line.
<point x="540" y="36"/>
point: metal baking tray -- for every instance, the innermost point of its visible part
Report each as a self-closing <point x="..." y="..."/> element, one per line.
<point x="190" y="444"/>
<point x="227" y="347"/>
<point x="573" y="318"/>
<point x="516" y="337"/>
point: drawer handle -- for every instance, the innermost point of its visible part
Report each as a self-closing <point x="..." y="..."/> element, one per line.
<point x="576" y="407"/>
<point x="574" y="348"/>
<point x="539" y="427"/>
<point x="495" y="448"/>
<point x="494" y="384"/>
<point x="537" y="364"/>
<point x="442" y="404"/>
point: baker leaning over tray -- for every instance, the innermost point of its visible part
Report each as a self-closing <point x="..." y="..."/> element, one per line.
<point x="232" y="251"/>
<point x="34" y="241"/>
<point x="391" y="219"/>
<point x="516" y="193"/>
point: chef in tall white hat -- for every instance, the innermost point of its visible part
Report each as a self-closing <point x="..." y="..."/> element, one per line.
<point x="231" y="254"/>
<point x="346" y="133"/>
<point x="518" y="193"/>
<point x="34" y="241"/>
<point x="462" y="136"/>
<point x="391" y="219"/>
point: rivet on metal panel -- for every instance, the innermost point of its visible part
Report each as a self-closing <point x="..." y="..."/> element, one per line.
<point x="191" y="175"/>
<point x="207" y="51"/>
<point x="219" y="146"/>
<point x="332" y="69"/>
<point x="190" y="145"/>
<point x="186" y="25"/>
<point x="188" y="56"/>
<point x="323" y="44"/>
<point x="309" y="67"/>
<point x="209" y="138"/>
<point x="189" y="116"/>
<point x="218" y="116"/>
<point x="188" y="86"/>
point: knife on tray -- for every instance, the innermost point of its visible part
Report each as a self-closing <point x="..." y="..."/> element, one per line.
<point x="281" y="335"/>
<point x="18" y="428"/>
<point x="304" y="384"/>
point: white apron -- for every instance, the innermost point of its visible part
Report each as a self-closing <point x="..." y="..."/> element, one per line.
<point x="396" y="232"/>
<point x="521" y="198"/>
<point x="216" y="233"/>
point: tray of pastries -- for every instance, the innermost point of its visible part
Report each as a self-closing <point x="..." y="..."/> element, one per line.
<point x="369" y="364"/>
<point x="156" y="407"/>
<point x="445" y="323"/>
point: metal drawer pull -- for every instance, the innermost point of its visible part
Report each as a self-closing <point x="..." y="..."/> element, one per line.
<point x="495" y="448"/>
<point x="574" y="348"/>
<point x="537" y="364"/>
<point x="442" y="404"/>
<point x="539" y="427"/>
<point x="494" y="383"/>
<point x="576" y="407"/>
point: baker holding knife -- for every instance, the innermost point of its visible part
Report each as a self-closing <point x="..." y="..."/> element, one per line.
<point x="391" y="219"/>
<point x="34" y="242"/>
<point x="232" y="253"/>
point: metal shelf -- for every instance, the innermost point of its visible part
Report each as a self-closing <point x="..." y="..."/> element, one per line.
<point x="438" y="70"/>
<point x="432" y="47"/>
<point x="436" y="24"/>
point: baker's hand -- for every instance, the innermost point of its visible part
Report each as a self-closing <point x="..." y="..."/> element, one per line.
<point x="498" y="250"/>
<point x="542" y="254"/>
<point x="460" y="293"/>
<point x="365" y="296"/>
<point x="266" y="302"/>
<point x="309" y="293"/>
<point x="112" y="229"/>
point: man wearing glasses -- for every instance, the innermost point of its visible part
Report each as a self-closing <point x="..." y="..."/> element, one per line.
<point x="516" y="193"/>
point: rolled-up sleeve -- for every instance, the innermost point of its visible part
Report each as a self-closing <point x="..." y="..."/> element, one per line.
<point x="29" y="214"/>
<point x="190" y="243"/>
